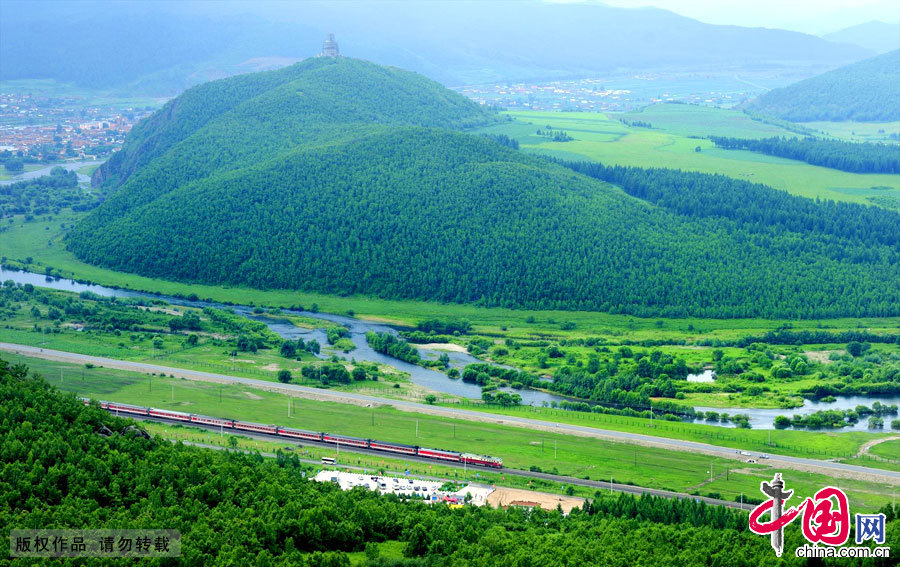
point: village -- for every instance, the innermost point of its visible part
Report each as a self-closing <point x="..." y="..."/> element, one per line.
<point x="52" y="129"/>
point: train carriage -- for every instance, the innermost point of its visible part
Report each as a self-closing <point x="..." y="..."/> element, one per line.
<point x="207" y="420"/>
<point x="256" y="427"/>
<point x="344" y="440"/>
<point x="397" y="448"/>
<point x="393" y="447"/>
<point x="116" y="407"/>
<point x="169" y="414"/>
<point x="299" y="434"/>
<point x="482" y="460"/>
<point x="439" y="454"/>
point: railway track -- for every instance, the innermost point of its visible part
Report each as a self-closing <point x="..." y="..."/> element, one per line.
<point x="599" y="485"/>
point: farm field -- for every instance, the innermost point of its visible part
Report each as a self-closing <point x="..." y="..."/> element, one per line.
<point x="677" y="140"/>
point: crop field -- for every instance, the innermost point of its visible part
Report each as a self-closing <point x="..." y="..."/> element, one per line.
<point x="677" y="140"/>
<point x="520" y="448"/>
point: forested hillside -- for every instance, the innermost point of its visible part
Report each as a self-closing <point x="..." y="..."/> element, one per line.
<point x="340" y="194"/>
<point x="235" y="509"/>
<point x="864" y="91"/>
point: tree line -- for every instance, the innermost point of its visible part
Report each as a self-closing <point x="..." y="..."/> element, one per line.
<point x="847" y="156"/>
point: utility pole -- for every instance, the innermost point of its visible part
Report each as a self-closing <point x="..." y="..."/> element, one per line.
<point x="554" y="448"/>
<point x="417" y="429"/>
<point x="173" y="393"/>
<point x="651" y="415"/>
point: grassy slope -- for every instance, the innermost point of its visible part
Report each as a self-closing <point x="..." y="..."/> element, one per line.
<point x="601" y="138"/>
<point x="520" y="448"/>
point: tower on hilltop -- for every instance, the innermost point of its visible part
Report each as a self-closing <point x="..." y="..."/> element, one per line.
<point x="330" y="47"/>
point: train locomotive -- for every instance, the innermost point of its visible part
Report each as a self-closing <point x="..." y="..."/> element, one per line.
<point x="470" y="459"/>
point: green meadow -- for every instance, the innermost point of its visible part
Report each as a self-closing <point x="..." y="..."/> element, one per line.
<point x="677" y="140"/>
<point x="519" y="447"/>
<point x="858" y="131"/>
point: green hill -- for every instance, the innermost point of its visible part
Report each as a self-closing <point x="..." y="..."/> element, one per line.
<point x="308" y="193"/>
<point x="868" y="91"/>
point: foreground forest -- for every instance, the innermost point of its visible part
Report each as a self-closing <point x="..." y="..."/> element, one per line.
<point x="242" y="509"/>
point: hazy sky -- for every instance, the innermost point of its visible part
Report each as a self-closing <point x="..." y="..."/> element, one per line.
<point x="809" y="16"/>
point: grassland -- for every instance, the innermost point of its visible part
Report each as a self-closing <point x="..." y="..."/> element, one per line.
<point x="520" y="448"/>
<point x="677" y="140"/>
<point x="156" y="343"/>
<point x="887" y="450"/>
<point x="857" y="131"/>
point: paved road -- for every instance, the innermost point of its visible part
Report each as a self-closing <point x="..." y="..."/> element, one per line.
<point x="599" y="485"/>
<point x="777" y="461"/>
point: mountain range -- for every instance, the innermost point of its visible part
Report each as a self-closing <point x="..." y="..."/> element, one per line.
<point x="163" y="47"/>
<point x="865" y="91"/>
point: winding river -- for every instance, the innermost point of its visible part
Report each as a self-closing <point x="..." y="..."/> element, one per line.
<point x="69" y="166"/>
<point x="432" y="379"/>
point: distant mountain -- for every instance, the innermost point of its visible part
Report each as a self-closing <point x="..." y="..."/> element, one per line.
<point x="166" y="46"/>
<point x="341" y="176"/>
<point x="880" y="37"/>
<point x="864" y="91"/>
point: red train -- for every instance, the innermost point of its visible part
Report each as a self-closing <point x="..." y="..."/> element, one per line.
<point x="339" y="440"/>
